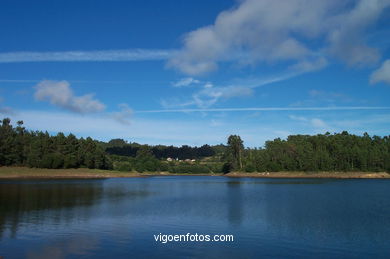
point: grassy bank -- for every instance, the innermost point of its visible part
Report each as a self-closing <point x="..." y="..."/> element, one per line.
<point x="25" y="172"/>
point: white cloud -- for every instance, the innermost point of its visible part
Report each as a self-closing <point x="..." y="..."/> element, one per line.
<point x="78" y="56"/>
<point x="60" y="94"/>
<point x="185" y="82"/>
<point x="382" y="74"/>
<point x="279" y="31"/>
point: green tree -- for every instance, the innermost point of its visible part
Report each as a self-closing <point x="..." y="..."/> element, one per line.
<point x="235" y="150"/>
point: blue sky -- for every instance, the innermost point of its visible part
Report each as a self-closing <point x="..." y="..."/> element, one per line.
<point x="194" y="72"/>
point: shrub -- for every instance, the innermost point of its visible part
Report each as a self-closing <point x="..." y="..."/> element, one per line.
<point x="122" y="166"/>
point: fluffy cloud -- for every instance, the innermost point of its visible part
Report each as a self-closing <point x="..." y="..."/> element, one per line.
<point x="382" y="74"/>
<point x="280" y="31"/>
<point x="60" y="94"/>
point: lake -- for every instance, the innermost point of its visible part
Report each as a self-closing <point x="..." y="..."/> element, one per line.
<point x="119" y="218"/>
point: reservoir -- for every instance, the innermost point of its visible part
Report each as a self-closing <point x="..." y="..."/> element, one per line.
<point x="120" y="217"/>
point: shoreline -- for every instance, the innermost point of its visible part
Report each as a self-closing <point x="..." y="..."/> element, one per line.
<point x="314" y="175"/>
<point x="85" y="173"/>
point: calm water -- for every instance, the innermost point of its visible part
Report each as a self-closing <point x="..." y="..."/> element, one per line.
<point x="117" y="218"/>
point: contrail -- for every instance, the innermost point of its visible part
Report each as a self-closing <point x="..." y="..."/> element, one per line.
<point x="342" y="108"/>
<point x="87" y="56"/>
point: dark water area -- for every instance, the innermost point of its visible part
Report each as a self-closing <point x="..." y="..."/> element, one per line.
<point x="270" y="218"/>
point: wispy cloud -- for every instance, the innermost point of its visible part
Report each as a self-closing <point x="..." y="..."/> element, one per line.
<point x="210" y="94"/>
<point x="186" y="82"/>
<point x="332" y="108"/>
<point x="79" y="56"/>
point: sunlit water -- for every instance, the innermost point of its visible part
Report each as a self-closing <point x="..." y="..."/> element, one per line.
<point x="118" y="218"/>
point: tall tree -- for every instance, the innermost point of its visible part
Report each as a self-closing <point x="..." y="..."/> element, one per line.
<point x="235" y="150"/>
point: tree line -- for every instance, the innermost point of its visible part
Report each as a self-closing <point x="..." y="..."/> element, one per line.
<point x="21" y="147"/>
<point x="322" y="152"/>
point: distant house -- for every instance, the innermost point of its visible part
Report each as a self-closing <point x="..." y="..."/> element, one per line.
<point x="190" y="160"/>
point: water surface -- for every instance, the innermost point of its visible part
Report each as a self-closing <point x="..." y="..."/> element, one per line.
<point x="118" y="218"/>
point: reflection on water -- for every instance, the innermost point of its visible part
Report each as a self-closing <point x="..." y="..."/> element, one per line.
<point x="54" y="201"/>
<point x="43" y="201"/>
<point x="117" y="218"/>
<point x="235" y="202"/>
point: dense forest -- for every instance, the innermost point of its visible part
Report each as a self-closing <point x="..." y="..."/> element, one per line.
<point x="122" y="148"/>
<point x="21" y="147"/>
<point x="322" y="152"/>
